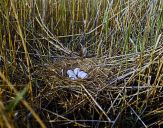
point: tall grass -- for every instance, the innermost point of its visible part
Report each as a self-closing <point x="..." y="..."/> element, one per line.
<point x="35" y="32"/>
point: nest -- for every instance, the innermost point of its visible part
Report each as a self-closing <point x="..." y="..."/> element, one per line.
<point x="118" y="88"/>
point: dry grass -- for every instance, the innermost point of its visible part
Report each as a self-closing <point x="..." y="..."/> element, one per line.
<point x="119" y="43"/>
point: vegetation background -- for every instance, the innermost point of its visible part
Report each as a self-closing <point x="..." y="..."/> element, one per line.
<point x="120" y="44"/>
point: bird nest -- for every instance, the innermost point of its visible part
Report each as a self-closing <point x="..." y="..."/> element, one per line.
<point x="115" y="88"/>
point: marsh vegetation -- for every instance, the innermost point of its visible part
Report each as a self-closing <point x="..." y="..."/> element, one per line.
<point x="119" y="43"/>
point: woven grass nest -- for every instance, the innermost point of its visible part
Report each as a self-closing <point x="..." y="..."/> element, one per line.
<point x="118" y="88"/>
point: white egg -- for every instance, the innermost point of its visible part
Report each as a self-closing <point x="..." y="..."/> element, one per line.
<point x="76" y="71"/>
<point x="71" y="75"/>
<point x="82" y="75"/>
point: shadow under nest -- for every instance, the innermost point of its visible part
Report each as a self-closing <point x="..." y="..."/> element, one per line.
<point x="93" y="102"/>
